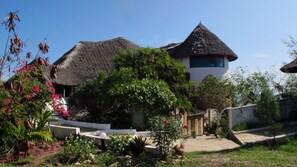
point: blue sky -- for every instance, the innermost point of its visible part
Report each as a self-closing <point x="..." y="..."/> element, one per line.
<point x="253" y="29"/>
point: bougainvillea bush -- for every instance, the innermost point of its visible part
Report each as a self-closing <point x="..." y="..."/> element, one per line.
<point x="23" y="97"/>
<point x="22" y="114"/>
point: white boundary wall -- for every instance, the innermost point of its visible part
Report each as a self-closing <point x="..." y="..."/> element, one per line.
<point x="243" y="114"/>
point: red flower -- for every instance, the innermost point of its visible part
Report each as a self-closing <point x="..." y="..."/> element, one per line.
<point x="55" y="97"/>
<point x="26" y="68"/>
<point x="50" y="85"/>
<point x="165" y="122"/>
<point x="185" y="126"/>
<point x="37" y="89"/>
<point x="50" y="149"/>
<point x="32" y="95"/>
<point x="9" y="101"/>
<point x="9" y="110"/>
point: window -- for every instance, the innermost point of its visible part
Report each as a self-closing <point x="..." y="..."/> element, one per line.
<point x="206" y="62"/>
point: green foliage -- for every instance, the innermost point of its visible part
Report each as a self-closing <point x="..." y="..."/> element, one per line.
<point x="267" y="107"/>
<point x="240" y="127"/>
<point x="137" y="145"/>
<point x="24" y="161"/>
<point x="158" y="65"/>
<point x="77" y="149"/>
<point x="165" y="131"/>
<point x="146" y="80"/>
<point x="212" y="92"/>
<point x="119" y="144"/>
<point x="152" y="63"/>
<point x="223" y="126"/>
<point x="22" y="101"/>
<point x="106" y="159"/>
<point x="150" y="95"/>
<point x="249" y="86"/>
<point x="257" y="155"/>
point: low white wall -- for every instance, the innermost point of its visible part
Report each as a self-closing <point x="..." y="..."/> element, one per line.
<point x="86" y="124"/>
<point x="63" y="131"/>
<point x="243" y="114"/>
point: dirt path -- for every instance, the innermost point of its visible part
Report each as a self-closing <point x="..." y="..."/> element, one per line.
<point x="208" y="143"/>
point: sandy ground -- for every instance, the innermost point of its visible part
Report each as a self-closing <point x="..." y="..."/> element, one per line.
<point x="208" y="143"/>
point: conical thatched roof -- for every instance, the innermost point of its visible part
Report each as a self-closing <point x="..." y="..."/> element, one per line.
<point x="202" y="42"/>
<point x="85" y="60"/>
<point x="290" y="67"/>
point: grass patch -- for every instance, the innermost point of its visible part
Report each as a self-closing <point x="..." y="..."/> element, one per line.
<point x="23" y="161"/>
<point x="284" y="154"/>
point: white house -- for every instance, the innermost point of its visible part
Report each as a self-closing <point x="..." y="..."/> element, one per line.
<point x="203" y="53"/>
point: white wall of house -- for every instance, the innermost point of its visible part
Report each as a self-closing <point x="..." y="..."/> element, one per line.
<point x="199" y="73"/>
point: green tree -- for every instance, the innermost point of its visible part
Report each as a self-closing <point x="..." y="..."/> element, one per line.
<point x="249" y="86"/>
<point x="113" y="97"/>
<point x="267" y="109"/>
<point x="145" y="80"/>
<point x="157" y="64"/>
<point x="212" y="92"/>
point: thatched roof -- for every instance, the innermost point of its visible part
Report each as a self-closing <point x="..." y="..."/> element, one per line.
<point x="202" y="42"/>
<point x="85" y="60"/>
<point x="290" y="67"/>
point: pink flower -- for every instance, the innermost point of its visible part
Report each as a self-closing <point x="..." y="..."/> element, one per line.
<point x="9" y="101"/>
<point x="50" y="85"/>
<point x="56" y="97"/>
<point x="37" y="89"/>
<point x="26" y="68"/>
<point x="32" y="95"/>
<point x="9" y="110"/>
<point x="165" y="121"/>
<point x="50" y="149"/>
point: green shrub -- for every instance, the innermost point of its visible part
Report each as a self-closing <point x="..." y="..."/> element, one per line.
<point x="223" y="128"/>
<point x="290" y="146"/>
<point x="137" y="145"/>
<point x="77" y="149"/>
<point x="240" y="127"/>
<point x="119" y="144"/>
<point x="165" y="131"/>
<point x="106" y="159"/>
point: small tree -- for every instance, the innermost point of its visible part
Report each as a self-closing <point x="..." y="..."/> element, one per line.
<point x="212" y="92"/>
<point x="249" y="86"/>
<point x="165" y="131"/>
<point x="268" y="109"/>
